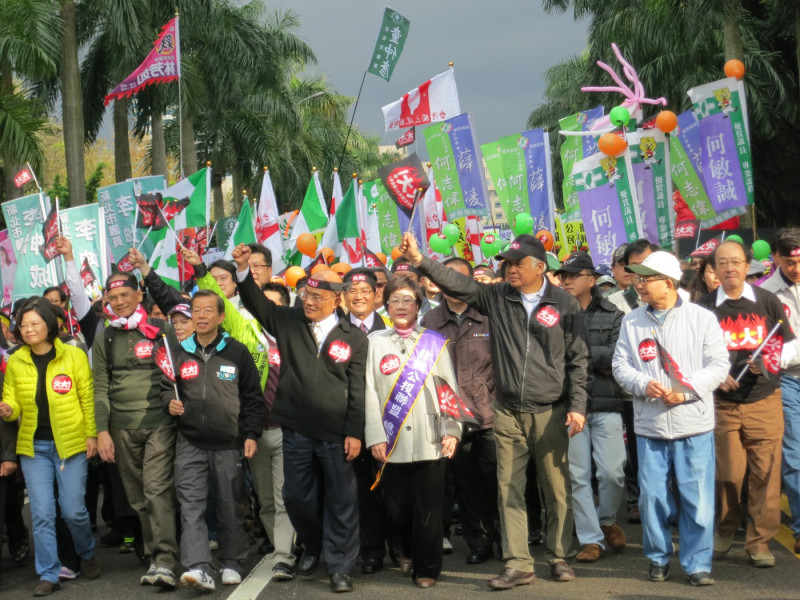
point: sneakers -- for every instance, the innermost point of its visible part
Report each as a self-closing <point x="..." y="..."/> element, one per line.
<point x="722" y="544"/>
<point x="282" y="572"/>
<point x="164" y="578"/>
<point x="199" y="580"/>
<point x="231" y="577"/>
<point x="447" y="547"/>
<point x="67" y="574"/>
<point x="213" y="545"/>
<point x="701" y="578"/>
<point x="127" y="546"/>
<point x="147" y="578"/>
<point x="615" y="537"/>
<point x="762" y="560"/>
<point x="659" y="573"/>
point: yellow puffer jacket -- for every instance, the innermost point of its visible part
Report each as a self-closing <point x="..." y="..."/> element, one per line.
<point x="70" y="396"/>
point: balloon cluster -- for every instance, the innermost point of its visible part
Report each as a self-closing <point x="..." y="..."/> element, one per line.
<point x="442" y="242"/>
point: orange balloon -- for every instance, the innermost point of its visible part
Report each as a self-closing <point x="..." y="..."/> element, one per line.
<point x="327" y="254"/>
<point x="666" y="121"/>
<point x="546" y="238"/>
<point x="307" y="244"/>
<point x="396" y="253"/>
<point x="293" y="275"/>
<point x="611" y="144"/>
<point x="734" y="68"/>
<point x="319" y="267"/>
<point x="276" y="279"/>
<point x="381" y="257"/>
<point x="341" y="268"/>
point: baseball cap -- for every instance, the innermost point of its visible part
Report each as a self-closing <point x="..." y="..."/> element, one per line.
<point x="658" y="263"/>
<point x="756" y="268"/>
<point x="183" y="309"/>
<point x="606" y="280"/>
<point x="576" y="262"/>
<point x="619" y="254"/>
<point x="603" y="269"/>
<point x="522" y="246"/>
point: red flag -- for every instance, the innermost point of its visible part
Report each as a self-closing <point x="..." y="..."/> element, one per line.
<point x="24" y="176"/>
<point x="64" y="288"/>
<point x="708" y="247"/>
<point x="320" y="260"/>
<point x="371" y="259"/>
<point x="450" y="403"/>
<point x="163" y="361"/>
<point x="172" y="206"/>
<point x="687" y="229"/>
<point x="150" y="214"/>
<point x="771" y="358"/>
<point x="87" y="275"/>
<point x="677" y="379"/>
<point x="406" y="139"/>
<point x="50" y="232"/>
<point x="162" y="65"/>
<point x="403" y="179"/>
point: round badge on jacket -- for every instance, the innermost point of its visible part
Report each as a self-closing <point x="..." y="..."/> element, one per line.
<point x="648" y="350"/>
<point x="339" y="351"/>
<point x="62" y="384"/>
<point x="548" y="316"/>
<point x="389" y="364"/>
<point x="190" y="369"/>
<point x="143" y="349"/>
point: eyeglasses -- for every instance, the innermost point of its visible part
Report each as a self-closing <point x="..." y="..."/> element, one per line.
<point x="735" y="263"/>
<point x="401" y="302"/>
<point x="357" y="293"/>
<point x="33" y="325"/>
<point x="313" y="298"/>
<point x="259" y="267"/>
<point x="222" y="278"/>
<point x="121" y="296"/>
<point x="574" y="275"/>
<point x="644" y="280"/>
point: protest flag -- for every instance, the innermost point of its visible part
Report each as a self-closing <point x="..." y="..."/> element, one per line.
<point x="403" y="179"/>
<point x="406" y="139"/>
<point x="708" y="247"/>
<point x="433" y="101"/>
<point x="687" y="229"/>
<point x="50" y="231"/>
<point x="451" y="404"/>
<point x="152" y="212"/>
<point x="24" y="176"/>
<point x="266" y="226"/>
<point x="679" y="382"/>
<point x="342" y="234"/>
<point x="389" y="45"/>
<point x="187" y="202"/>
<point x="86" y="273"/>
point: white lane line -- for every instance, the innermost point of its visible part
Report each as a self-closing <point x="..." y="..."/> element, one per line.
<point x="255" y="582"/>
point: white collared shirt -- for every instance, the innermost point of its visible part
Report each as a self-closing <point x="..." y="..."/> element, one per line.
<point x="531" y="301"/>
<point x="321" y="329"/>
<point x="368" y="322"/>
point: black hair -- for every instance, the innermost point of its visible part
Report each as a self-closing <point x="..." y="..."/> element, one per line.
<point x="698" y="288"/>
<point x="786" y="240"/>
<point x="401" y="283"/>
<point x="120" y="275"/>
<point x="55" y="288"/>
<point x="225" y="265"/>
<point x="208" y="294"/>
<point x="748" y="254"/>
<point x="263" y="250"/>
<point x="282" y="290"/>
<point x="42" y="307"/>
<point x="457" y="260"/>
<point x="638" y="247"/>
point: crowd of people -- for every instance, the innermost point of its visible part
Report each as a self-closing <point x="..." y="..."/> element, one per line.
<point x="348" y="417"/>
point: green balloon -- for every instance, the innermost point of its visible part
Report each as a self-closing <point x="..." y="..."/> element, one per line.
<point x="439" y="243"/>
<point x="452" y="233"/>
<point x="490" y="245"/>
<point x="523" y="223"/>
<point x="761" y="250"/>
<point x="619" y="116"/>
<point x="736" y="238"/>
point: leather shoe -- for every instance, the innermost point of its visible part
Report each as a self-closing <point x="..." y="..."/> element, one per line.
<point x="589" y="554"/>
<point x="510" y="578"/>
<point x="479" y="557"/>
<point x="659" y="573"/>
<point x="425" y="582"/>
<point x="341" y="582"/>
<point x="307" y="564"/>
<point x="615" y="537"/>
<point x="45" y="588"/>
<point x="405" y="564"/>
<point x="561" y="571"/>
<point x="371" y="566"/>
<point x="535" y="538"/>
<point x="701" y="578"/>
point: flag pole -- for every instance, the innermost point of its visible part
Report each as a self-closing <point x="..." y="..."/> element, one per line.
<point x="180" y="94"/>
<point x="414" y="210"/>
<point x="352" y="118"/>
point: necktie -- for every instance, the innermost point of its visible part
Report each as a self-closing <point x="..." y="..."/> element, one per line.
<point x="317" y="331"/>
<point x="364" y="328"/>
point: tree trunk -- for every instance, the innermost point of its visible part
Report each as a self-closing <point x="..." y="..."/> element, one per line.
<point x="10" y="166"/>
<point x="189" y="158"/>
<point x="732" y="36"/>
<point x="72" y="107"/>
<point x="158" y="148"/>
<point x="122" y="149"/>
<point x="219" y="202"/>
<point x="238" y="185"/>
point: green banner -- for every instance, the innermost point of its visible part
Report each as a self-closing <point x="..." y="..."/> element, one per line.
<point x="512" y="158"/>
<point x="445" y="169"/>
<point x="573" y="149"/>
<point x="389" y="45"/>
<point x="494" y="164"/>
<point x="24" y="218"/>
<point x="388" y="219"/>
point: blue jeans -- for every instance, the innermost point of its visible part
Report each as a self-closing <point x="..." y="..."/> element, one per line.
<point x="790" y="468"/>
<point x="601" y="440"/>
<point x="691" y="462"/>
<point x="41" y="472"/>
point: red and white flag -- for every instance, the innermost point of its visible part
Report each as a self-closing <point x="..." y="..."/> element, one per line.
<point x="431" y="215"/>
<point x="435" y="100"/>
<point x="24" y="176"/>
<point x="267" y="228"/>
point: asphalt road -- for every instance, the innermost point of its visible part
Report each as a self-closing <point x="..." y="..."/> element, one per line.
<point x="618" y="576"/>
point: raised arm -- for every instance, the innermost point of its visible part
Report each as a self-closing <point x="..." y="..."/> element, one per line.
<point x="165" y="296"/>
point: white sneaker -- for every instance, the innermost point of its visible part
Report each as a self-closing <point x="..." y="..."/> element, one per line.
<point x="147" y="578"/>
<point x="67" y="574"/>
<point x="199" y="580"/>
<point x="447" y="547"/>
<point x="231" y="577"/>
<point x="213" y="545"/>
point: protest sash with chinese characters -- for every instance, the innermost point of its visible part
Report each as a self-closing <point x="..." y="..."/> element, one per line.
<point x="608" y="203"/>
<point x="727" y="172"/>
<point x="456" y="159"/>
<point x="653" y="185"/>
<point x="409" y="385"/>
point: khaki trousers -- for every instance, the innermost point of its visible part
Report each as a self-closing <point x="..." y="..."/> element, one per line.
<point x="520" y="437"/>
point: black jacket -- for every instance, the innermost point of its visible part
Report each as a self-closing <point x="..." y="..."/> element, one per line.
<point x="221" y="393"/>
<point x="163" y="295"/>
<point x="320" y="393"/>
<point x="535" y="365"/>
<point x="602" y="321"/>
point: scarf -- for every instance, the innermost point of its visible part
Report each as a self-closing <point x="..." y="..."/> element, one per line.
<point x="404" y="333"/>
<point x="138" y="320"/>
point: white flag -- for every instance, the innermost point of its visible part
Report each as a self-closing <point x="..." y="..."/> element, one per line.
<point x="435" y="100"/>
<point x="267" y="229"/>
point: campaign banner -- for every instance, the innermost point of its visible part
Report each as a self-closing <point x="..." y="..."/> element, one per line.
<point x="568" y="237"/>
<point x="575" y="148"/>
<point x="457" y="165"/>
<point x="721" y="110"/>
<point x="148" y="184"/>
<point x="24" y="218"/>
<point x="8" y="266"/>
<point x="389" y="45"/>
<point x="119" y="207"/>
<point x="83" y="226"/>
<point x="609" y="207"/>
<point x="648" y="151"/>
<point x="392" y="221"/>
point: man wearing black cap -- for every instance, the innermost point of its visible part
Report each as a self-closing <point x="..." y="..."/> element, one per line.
<point x="541" y="361"/>
<point x="601" y="440"/>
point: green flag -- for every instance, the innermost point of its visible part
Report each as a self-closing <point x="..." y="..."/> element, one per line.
<point x="243" y="233"/>
<point x="197" y="188"/>
<point x="389" y="45"/>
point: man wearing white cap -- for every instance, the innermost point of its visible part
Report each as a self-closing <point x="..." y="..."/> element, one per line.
<point x="671" y="356"/>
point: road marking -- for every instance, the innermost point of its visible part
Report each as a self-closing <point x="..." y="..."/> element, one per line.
<point x="785" y="536"/>
<point x="255" y="582"/>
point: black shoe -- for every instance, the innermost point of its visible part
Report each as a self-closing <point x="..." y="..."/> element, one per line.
<point x="19" y="550"/>
<point x="658" y="573"/>
<point x="477" y="558"/>
<point x="535" y="538"/>
<point x="701" y="578"/>
<point x="266" y="548"/>
<point x="370" y="566"/>
<point x="307" y="564"/>
<point x="459" y="529"/>
<point x="394" y="555"/>
<point x="341" y="582"/>
<point x="282" y="572"/>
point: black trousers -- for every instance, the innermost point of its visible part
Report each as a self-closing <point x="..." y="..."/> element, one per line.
<point x="414" y="495"/>
<point x="321" y="498"/>
<point x="632" y="462"/>
<point x="475" y="467"/>
<point x="372" y="529"/>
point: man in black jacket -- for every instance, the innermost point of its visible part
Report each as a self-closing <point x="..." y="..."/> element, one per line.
<point x="541" y="361"/>
<point x="214" y="390"/>
<point x="601" y="442"/>
<point x="320" y="405"/>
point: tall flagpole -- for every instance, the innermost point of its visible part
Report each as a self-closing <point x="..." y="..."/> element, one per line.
<point x="180" y="95"/>
<point x="353" y="118"/>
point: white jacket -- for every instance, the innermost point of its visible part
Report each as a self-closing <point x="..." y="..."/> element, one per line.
<point x="694" y="339"/>
<point x="789" y="295"/>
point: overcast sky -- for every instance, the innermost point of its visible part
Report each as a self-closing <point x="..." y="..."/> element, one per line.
<point x="501" y="50"/>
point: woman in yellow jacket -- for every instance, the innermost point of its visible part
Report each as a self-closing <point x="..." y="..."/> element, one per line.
<point x="48" y="387"/>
